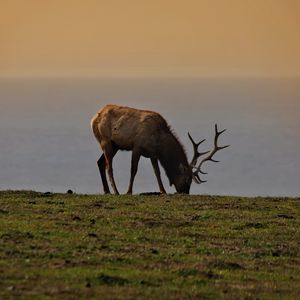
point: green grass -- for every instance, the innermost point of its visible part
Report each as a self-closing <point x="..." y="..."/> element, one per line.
<point x="60" y="246"/>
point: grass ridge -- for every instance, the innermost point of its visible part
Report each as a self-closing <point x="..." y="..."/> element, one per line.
<point x="69" y="246"/>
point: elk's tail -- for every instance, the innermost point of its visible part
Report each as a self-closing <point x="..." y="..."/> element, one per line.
<point x="95" y="128"/>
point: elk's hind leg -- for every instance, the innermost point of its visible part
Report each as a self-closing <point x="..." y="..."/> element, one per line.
<point x="157" y="174"/>
<point x="102" y="169"/>
<point x="109" y="152"/>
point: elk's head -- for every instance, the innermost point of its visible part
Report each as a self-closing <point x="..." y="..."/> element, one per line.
<point x="195" y="169"/>
<point x="183" y="182"/>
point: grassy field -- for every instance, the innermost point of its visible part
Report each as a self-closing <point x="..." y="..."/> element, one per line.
<point x="61" y="246"/>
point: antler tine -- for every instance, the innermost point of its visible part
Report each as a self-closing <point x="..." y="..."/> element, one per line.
<point x="193" y="142"/>
<point x="197" y="179"/>
<point x="211" y="154"/>
<point x="197" y="154"/>
<point x="217" y="134"/>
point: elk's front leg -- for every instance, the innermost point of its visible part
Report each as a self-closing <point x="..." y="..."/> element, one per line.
<point x="157" y="174"/>
<point x="102" y="169"/>
<point x="134" y="166"/>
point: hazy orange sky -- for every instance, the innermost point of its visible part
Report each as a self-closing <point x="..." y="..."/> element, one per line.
<point x="149" y="38"/>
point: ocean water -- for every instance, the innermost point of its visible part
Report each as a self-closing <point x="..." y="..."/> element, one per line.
<point x="46" y="143"/>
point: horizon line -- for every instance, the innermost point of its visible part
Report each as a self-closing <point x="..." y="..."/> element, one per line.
<point x="147" y="76"/>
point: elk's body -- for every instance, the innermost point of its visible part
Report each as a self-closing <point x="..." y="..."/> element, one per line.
<point x="147" y="134"/>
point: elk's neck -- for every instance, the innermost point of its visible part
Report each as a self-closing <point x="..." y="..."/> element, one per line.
<point x="171" y="155"/>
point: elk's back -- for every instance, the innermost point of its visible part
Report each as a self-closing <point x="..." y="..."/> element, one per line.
<point x="128" y="128"/>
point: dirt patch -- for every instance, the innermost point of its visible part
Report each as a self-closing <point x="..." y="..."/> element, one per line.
<point x="251" y="225"/>
<point x="111" y="280"/>
<point x="220" y="264"/>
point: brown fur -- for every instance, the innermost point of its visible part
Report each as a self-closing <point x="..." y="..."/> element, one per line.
<point x="145" y="133"/>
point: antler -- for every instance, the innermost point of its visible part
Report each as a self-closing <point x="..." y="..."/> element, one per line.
<point x="193" y="162"/>
<point x="207" y="158"/>
<point x="196" y="153"/>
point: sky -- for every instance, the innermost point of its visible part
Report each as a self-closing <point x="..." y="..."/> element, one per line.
<point x="149" y="38"/>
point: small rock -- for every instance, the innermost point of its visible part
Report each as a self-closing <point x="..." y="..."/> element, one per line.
<point x="285" y="216"/>
<point x="29" y="235"/>
<point x="154" y="251"/>
<point x="91" y="234"/>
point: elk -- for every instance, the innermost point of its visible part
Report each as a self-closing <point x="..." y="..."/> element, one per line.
<point x="146" y="133"/>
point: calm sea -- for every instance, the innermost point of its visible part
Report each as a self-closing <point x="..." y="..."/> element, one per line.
<point x="46" y="143"/>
